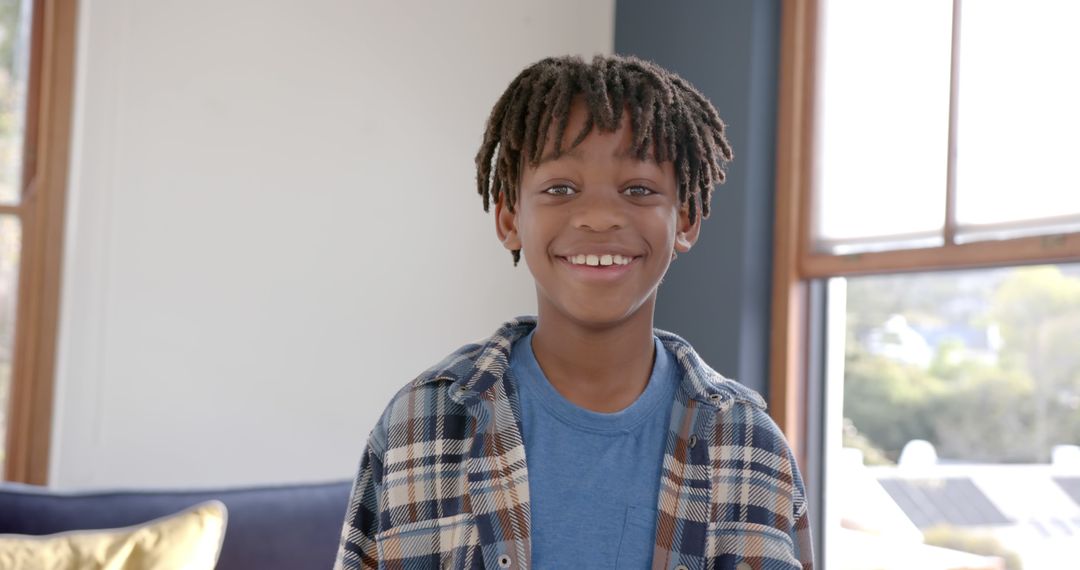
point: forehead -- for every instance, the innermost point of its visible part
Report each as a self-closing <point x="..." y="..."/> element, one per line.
<point x="618" y="144"/>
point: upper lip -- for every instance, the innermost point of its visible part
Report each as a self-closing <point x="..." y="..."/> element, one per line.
<point x="599" y="249"/>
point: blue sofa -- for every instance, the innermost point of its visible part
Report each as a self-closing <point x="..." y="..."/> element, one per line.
<point x="293" y="527"/>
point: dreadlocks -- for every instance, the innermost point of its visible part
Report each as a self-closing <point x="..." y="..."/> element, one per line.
<point x="667" y="115"/>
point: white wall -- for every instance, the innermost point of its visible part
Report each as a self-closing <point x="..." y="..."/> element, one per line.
<point x="274" y="225"/>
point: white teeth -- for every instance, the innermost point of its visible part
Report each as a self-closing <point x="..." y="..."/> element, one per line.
<point x="597" y="260"/>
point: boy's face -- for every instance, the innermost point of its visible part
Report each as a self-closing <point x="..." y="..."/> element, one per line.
<point x="596" y="199"/>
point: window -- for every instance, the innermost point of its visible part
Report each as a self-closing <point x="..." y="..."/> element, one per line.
<point x="925" y="279"/>
<point x="36" y="72"/>
<point x="954" y="418"/>
<point x="14" y="60"/>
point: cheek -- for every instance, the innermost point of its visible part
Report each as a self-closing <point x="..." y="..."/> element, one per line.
<point x="662" y="223"/>
<point x="533" y="231"/>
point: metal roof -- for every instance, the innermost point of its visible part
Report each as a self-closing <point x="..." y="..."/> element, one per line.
<point x="955" y="501"/>
<point x="1071" y="486"/>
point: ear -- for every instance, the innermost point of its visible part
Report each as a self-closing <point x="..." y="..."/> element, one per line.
<point x="686" y="233"/>
<point x="506" y="225"/>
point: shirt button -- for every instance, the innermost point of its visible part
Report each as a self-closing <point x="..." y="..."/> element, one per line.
<point x="681" y="567"/>
<point x="715" y="398"/>
<point x="504" y="561"/>
<point x="693" y="441"/>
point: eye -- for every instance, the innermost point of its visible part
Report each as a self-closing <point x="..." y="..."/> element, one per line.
<point x="561" y="190"/>
<point x="638" y="191"/>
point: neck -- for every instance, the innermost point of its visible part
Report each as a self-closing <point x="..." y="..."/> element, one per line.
<point x="600" y="368"/>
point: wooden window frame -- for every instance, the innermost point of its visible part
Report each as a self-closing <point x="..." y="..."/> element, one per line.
<point x="795" y="263"/>
<point x="41" y="208"/>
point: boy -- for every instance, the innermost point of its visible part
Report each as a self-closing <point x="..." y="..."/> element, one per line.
<point x="583" y="437"/>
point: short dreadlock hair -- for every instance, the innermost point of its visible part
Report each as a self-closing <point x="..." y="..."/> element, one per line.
<point x="667" y="115"/>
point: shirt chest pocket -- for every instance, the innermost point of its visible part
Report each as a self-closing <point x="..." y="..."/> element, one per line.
<point x="638" y="534"/>
<point x="447" y="543"/>
<point x="749" y="546"/>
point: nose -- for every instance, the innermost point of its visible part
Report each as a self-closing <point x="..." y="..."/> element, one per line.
<point x="599" y="212"/>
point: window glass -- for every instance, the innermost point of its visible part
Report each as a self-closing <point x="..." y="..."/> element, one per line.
<point x="1018" y="119"/>
<point x="10" y="245"/>
<point x="883" y="123"/>
<point x="14" y="60"/>
<point x="955" y="423"/>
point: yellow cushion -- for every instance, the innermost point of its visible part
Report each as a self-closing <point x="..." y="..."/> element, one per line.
<point x="188" y="540"/>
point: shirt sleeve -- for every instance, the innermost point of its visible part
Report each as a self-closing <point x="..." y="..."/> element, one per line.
<point x="789" y="504"/>
<point x="801" y="537"/>
<point x="357" y="549"/>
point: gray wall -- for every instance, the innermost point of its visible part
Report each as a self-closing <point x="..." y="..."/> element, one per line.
<point x="717" y="296"/>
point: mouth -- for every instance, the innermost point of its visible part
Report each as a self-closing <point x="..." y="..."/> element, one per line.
<point x="599" y="267"/>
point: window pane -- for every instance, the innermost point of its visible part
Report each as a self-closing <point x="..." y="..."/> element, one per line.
<point x="960" y="419"/>
<point x="883" y="124"/>
<point x="10" y="245"/>
<point x="1019" y="118"/>
<point x="14" y="61"/>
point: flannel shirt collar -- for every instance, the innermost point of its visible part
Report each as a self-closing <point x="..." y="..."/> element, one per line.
<point x="473" y="372"/>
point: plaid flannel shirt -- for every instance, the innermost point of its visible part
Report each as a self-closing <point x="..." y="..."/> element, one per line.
<point x="443" y="481"/>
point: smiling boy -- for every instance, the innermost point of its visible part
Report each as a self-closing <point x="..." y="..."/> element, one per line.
<point x="583" y="437"/>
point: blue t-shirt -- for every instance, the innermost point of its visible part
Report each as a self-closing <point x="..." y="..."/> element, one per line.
<point x="593" y="477"/>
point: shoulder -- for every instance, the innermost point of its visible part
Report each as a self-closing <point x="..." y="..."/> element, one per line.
<point x="738" y="392"/>
<point x="428" y="398"/>
<point x="438" y="397"/>
<point x="742" y="419"/>
<point x="701" y="381"/>
<point x="444" y="390"/>
<point x="745" y="433"/>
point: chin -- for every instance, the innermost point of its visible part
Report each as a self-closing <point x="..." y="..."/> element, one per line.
<point x="603" y="316"/>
